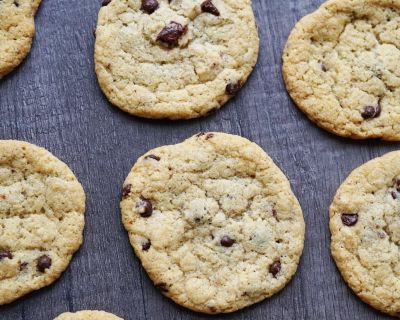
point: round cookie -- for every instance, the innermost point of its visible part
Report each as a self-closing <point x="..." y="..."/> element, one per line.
<point x="340" y="67"/>
<point x="176" y="59"/>
<point x="365" y="227"/>
<point x="17" y="28"/>
<point x="214" y="222"/>
<point x="42" y="208"/>
<point x="88" y="315"/>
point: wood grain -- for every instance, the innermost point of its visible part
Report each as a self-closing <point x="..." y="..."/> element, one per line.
<point x="53" y="100"/>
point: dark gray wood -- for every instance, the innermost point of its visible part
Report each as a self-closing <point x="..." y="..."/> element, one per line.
<point x="53" y="100"/>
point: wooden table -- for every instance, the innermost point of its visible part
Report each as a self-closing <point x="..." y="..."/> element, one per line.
<point x="53" y="100"/>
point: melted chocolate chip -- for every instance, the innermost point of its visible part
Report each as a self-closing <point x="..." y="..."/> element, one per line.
<point x="227" y="241"/>
<point x="43" y="263"/>
<point x="146" y="246"/>
<point x="394" y="195"/>
<point x="233" y="88"/>
<point x="275" y="268"/>
<point x="209" y="136"/>
<point x="162" y="286"/>
<point x="5" y="254"/>
<point x="208" y="6"/>
<point x="149" y="6"/>
<point x="105" y="3"/>
<point x="126" y="191"/>
<point x="172" y="33"/>
<point x="145" y="207"/>
<point x="152" y="156"/>
<point x="349" y="219"/>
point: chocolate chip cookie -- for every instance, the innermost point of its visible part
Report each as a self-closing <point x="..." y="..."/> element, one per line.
<point x="365" y="227"/>
<point x="41" y="218"/>
<point x="213" y="221"/>
<point x="175" y="59"/>
<point x="88" y="315"/>
<point x="340" y="66"/>
<point x="17" y="28"/>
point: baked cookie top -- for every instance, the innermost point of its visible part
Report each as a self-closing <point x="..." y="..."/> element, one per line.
<point x="175" y="59"/>
<point x="365" y="227"/>
<point x="88" y="315"/>
<point x="41" y="218"/>
<point x="341" y="67"/>
<point x="17" y="28"/>
<point x="213" y="221"/>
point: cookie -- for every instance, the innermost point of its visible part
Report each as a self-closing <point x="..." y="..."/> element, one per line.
<point x="17" y="28"/>
<point x="88" y="315"/>
<point x="41" y="218"/>
<point x="214" y="222"/>
<point x="365" y="227"/>
<point x="340" y="66"/>
<point x="176" y="59"/>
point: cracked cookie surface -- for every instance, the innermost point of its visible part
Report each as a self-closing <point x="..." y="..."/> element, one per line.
<point x="176" y="59"/>
<point x="87" y="315"/>
<point x="340" y="67"/>
<point x="213" y="221"/>
<point x="17" y="28"/>
<point x="41" y="218"/>
<point x="365" y="227"/>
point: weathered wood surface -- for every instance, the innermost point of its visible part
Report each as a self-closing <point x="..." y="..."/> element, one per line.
<point x="53" y="100"/>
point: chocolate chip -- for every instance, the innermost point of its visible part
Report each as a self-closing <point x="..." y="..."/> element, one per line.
<point x="146" y="246"/>
<point x="208" y="6"/>
<point x="152" y="156"/>
<point x="209" y="136"/>
<point x="212" y="309"/>
<point x="149" y="6"/>
<point x="5" y="254"/>
<point x="394" y="195"/>
<point x="16" y="3"/>
<point x="275" y="215"/>
<point x="171" y="33"/>
<point x="233" y="88"/>
<point x="371" y="112"/>
<point x="43" y="263"/>
<point x="323" y="68"/>
<point x="349" y="219"/>
<point x="126" y="191"/>
<point x="105" y="3"/>
<point x="275" y="268"/>
<point x="145" y="207"/>
<point x="200" y="134"/>
<point x="162" y="286"/>
<point x="23" y="266"/>
<point x="381" y="234"/>
<point x="227" y="241"/>
<point x="396" y="183"/>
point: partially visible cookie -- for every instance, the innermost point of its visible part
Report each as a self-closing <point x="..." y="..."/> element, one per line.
<point x="176" y="59"/>
<point x="213" y="221"/>
<point x="365" y="227"/>
<point x="42" y="208"/>
<point x="17" y="28"/>
<point x="341" y="68"/>
<point x="88" y="315"/>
